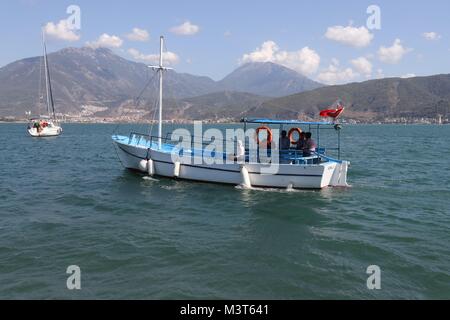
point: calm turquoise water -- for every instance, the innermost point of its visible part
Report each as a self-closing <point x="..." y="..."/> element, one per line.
<point x="67" y="201"/>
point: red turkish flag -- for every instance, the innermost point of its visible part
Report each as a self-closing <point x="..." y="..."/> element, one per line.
<point x="332" y="113"/>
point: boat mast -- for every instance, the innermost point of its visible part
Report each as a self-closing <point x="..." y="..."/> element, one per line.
<point x="46" y="73"/>
<point x="48" y="84"/>
<point x="161" y="44"/>
<point x="160" y="69"/>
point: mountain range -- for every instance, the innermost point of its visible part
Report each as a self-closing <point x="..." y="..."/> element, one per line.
<point x="98" y="83"/>
<point x="374" y="100"/>
<point x="98" y="77"/>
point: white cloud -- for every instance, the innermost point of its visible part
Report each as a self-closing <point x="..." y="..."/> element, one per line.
<point x="185" y="29"/>
<point x="362" y="65"/>
<point x="62" y="30"/>
<point x="393" y="54"/>
<point x="352" y="36"/>
<point x="170" y="58"/>
<point x="431" y="36"/>
<point x="227" y="33"/>
<point x="409" y="75"/>
<point x="263" y="54"/>
<point x="106" y="41"/>
<point x="305" y="61"/>
<point x="138" y="35"/>
<point x="335" y="75"/>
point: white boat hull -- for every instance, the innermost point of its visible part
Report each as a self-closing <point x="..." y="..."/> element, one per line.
<point x="46" y="132"/>
<point x="293" y="176"/>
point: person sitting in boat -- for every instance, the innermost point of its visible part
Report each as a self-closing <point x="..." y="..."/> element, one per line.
<point x="301" y="141"/>
<point x="285" y="142"/>
<point x="38" y="126"/>
<point x="310" y="145"/>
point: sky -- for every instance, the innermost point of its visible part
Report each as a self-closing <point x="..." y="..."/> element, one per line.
<point x="332" y="42"/>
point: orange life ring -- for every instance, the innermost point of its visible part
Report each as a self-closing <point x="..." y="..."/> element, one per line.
<point x="291" y="134"/>
<point x="269" y="134"/>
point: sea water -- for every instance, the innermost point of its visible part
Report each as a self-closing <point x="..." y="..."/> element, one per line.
<point x="67" y="201"/>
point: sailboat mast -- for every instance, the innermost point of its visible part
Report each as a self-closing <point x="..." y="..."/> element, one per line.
<point x="47" y="93"/>
<point x="161" y="68"/>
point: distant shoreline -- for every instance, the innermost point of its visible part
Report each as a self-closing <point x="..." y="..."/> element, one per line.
<point x="190" y="122"/>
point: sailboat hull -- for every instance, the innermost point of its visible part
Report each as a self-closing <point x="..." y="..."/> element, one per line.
<point x="287" y="176"/>
<point x="45" y="132"/>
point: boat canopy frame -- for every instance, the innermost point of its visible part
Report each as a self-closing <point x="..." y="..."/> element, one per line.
<point x="285" y="122"/>
<point x="317" y="126"/>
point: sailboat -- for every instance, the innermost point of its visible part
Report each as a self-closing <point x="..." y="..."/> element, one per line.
<point x="292" y="168"/>
<point x="45" y="126"/>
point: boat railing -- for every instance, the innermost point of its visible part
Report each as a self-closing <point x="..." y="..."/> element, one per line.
<point x="145" y="139"/>
<point x="197" y="147"/>
<point x="326" y="158"/>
